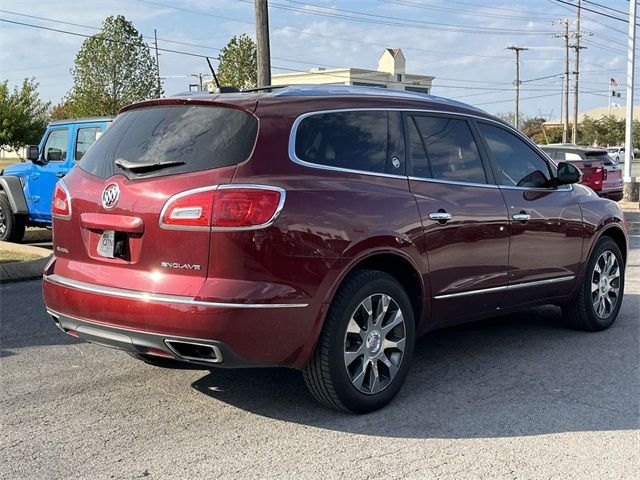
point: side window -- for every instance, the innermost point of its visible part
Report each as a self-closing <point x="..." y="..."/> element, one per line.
<point x="55" y="150"/>
<point x="86" y="137"/>
<point x="517" y="163"/>
<point x="450" y="150"/>
<point x="355" y="140"/>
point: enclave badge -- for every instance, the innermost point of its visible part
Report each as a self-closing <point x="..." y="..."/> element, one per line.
<point x="110" y="195"/>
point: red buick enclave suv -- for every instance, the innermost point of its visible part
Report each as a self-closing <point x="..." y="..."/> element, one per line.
<point x="320" y="228"/>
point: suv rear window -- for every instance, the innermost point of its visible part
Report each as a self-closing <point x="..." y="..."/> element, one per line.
<point x="190" y="138"/>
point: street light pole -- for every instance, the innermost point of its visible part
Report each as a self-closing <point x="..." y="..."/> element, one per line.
<point x="630" y="184"/>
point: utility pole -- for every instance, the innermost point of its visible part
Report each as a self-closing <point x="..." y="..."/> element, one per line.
<point x="517" y="49"/>
<point x="565" y="83"/>
<point x="262" y="40"/>
<point x="155" y="42"/>
<point x="631" y="185"/>
<point x="565" y="93"/>
<point x="576" y="73"/>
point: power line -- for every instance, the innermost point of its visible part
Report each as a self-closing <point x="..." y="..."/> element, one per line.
<point x="606" y="7"/>
<point x="596" y="12"/>
<point x="396" y="21"/>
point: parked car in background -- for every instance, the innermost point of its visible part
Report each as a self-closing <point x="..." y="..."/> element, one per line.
<point x="26" y="189"/>
<point x="599" y="172"/>
<point x="617" y="154"/>
<point x="323" y="229"/>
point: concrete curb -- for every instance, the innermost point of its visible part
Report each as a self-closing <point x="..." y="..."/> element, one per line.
<point x="632" y="216"/>
<point x="18" y="271"/>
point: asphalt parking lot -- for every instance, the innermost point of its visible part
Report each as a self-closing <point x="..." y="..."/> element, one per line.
<point x="519" y="396"/>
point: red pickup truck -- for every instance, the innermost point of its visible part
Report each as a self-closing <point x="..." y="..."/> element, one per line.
<point x="592" y="163"/>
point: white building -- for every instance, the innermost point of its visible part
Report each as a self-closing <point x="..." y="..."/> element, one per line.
<point x="391" y="73"/>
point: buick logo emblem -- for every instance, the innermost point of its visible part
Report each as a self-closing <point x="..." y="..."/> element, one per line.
<point x="110" y="196"/>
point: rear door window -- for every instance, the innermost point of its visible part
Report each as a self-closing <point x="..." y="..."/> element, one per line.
<point x="85" y="138"/>
<point x="449" y="150"/>
<point x="355" y="140"/>
<point x="517" y="164"/>
<point x="186" y="138"/>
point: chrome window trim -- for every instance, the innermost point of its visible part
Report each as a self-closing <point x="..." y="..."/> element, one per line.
<point x="274" y="217"/>
<point x="66" y="190"/>
<point x="453" y="182"/>
<point x="563" y="188"/>
<point x="294" y="129"/>
<point x="159" y="297"/>
<point x="516" y="286"/>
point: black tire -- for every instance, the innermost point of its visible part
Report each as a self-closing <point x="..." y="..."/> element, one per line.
<point x="326" y="374"/>
<point x="161" y="361"/>
<point x="11" y="226"/>
<point x="581" y="314"/>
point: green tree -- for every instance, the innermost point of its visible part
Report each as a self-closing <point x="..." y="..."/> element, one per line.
<point x="112" y="69"/>
<point x="238" y="66"/>
<point x="23" y="116"/>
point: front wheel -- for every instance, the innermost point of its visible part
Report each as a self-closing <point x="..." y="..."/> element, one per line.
<point x="366" y="345"/>
<point x="12" y="226"/>
<point x="600" y="297"/>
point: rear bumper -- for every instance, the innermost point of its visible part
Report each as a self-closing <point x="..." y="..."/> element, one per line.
<point x="168" y="346"/>
<point x="615" y="195"/>
<point x="239" y="335"/>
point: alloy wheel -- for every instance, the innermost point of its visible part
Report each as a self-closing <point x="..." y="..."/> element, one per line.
<point x="3" y="222"/>
<point x="374" y="343"/>
<point x="605" y="284"/>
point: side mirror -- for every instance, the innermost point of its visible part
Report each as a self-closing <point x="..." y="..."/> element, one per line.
<point x="568" y="174"/>
<point x="33" y="153"/>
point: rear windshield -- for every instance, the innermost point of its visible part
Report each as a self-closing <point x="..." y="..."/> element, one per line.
<point x="602" y="156"/>
<point x="186" y="138"/>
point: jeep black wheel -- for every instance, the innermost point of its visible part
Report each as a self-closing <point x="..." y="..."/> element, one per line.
<point x="11" y="226"/>
<point x="365" y="349"/>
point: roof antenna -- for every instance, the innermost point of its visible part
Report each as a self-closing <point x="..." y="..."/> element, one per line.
<point x="213" y="72"/>
<point x="219" y="88"/>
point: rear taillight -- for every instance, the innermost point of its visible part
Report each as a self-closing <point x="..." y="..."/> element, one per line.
<point x="61" y="201"/>
<point x="226" y="207"/>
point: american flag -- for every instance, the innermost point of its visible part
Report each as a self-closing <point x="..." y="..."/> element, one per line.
<point x="614" y="83"/>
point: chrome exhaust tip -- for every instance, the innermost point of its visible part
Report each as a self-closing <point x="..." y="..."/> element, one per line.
<point x="199" y="352"/>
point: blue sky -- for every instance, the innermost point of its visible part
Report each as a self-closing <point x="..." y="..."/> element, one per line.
<point x="460" y="42"/>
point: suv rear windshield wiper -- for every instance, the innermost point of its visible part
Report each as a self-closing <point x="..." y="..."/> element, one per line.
<point x="146" y="167"/>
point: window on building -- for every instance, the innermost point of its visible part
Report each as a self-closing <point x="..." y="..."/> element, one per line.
<point x="450" y="150"/>
<point x="517" y="163"/>
<point x="410" y="88"/>
<point x="353" y="140"/>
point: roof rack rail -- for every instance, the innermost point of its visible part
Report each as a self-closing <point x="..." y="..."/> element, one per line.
<point x="265" y="88"/>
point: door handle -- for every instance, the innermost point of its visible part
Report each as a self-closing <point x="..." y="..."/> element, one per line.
<point x="521" y="217"/>
<point x="59" y="174"/>
<point x="440" y="216"/>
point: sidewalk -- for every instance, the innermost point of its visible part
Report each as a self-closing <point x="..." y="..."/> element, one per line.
<point x="17" y="271"/>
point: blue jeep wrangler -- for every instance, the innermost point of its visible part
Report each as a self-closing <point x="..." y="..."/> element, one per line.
<point x="26" y="188"/>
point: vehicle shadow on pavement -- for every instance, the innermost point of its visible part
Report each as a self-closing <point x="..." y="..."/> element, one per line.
<point x="520" y="374"/>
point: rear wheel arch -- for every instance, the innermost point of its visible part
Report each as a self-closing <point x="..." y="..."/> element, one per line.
<point x="400" y="267"/>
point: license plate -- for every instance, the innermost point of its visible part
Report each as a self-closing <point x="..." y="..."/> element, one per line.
<point x="106" y="245"/>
